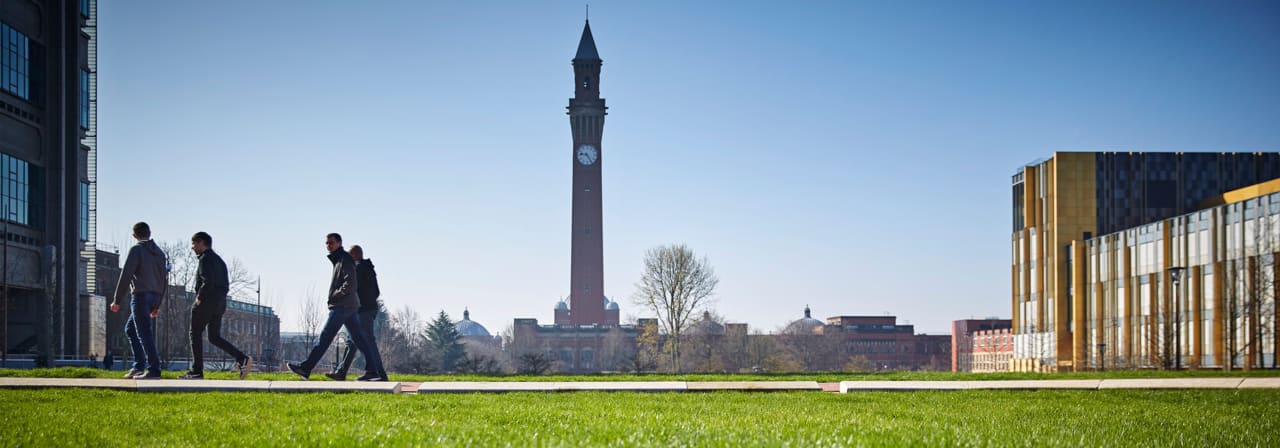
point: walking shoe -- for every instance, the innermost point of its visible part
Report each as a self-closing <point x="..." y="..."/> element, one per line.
<point x="192" y="376"/>
<point x="149" y="376"/>
<point x="336" y="377"/>
<point x="295" y="368"/>
<point x="372" y="377"/>
<point x="246" y="367"/>
<point x="134" y="372"/>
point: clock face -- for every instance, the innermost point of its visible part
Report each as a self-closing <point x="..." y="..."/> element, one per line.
<point x="587" y="155"/>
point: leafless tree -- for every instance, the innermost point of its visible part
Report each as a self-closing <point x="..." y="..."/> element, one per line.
<point x="312" y="316"/>
<point x="1251" y="289"/>
<point x="675" y="286"/>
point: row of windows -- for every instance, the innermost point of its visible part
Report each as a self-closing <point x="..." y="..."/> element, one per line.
<point x="15" y="189"/>
<point x="586" y="359"/>
<point x="84" y="99"/>
<point x="84" y="211"/>
<point x="15" y="61"/>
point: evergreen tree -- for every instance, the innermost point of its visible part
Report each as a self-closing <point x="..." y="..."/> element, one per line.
<point x="443" y="337"/>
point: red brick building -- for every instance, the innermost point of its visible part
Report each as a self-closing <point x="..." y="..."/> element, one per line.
<point x="981" y="345"/>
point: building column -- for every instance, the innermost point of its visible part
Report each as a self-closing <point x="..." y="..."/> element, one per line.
<point x="1079" y="311"/>
<point x="1126" y="269"/>
<point x="1219" y="317"/>
<point x="1251" y="325"/>
<point x="1099" y="322"/>
<point x="1197" y="318"/>
<point x="1153" y="324"/>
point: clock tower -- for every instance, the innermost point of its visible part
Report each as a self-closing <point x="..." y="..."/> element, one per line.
<point x="586" y="119"/>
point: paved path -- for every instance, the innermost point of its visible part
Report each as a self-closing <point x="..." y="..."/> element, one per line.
<point x="1152" y="383"/>
<point x="629" y="386"/>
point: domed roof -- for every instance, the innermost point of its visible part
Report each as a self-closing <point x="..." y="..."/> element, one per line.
<point x="805" y="325"/>
<point x="609" y="304"/>
<point x="468" y="327"/>
<point x="562" y="306"/>
<point x="707" y="325"/>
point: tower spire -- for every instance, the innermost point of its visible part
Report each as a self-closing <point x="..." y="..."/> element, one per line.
<point x="587" y="46"/>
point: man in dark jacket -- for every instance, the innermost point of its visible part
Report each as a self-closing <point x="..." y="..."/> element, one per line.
<point x="212" y="285"/>
<point x="367" y="289"/>
<point x="343" y="305"/>
<point x="146" y="277"/>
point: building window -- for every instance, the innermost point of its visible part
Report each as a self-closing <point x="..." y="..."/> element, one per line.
<point x="586" y="359"/>
<point x="14" y="189"/>
<point x="84" y="99"/>
<point x="84" y="211"/>
<point x="84" y="8"/>
<point x="15" y="62"/>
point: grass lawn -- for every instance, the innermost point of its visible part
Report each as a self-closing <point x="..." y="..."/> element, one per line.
<point x="87" y="417"/>
<point x="80" y="372"/>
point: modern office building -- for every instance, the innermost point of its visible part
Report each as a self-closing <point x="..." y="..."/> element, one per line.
<point x="1075" y="196"/>
<point x="1196" y="290"/>
<point x="48" y="159"/>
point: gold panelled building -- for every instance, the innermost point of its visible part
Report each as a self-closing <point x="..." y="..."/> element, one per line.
<point x="1115" y="255"/>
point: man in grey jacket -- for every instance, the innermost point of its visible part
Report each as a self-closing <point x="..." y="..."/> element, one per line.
<point x="145" y="277"/>
<point x="343" y="305"/>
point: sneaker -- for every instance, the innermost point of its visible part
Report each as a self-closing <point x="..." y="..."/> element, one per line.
<point x="296" y="368"/>
<point x="134" y="372"/>
<point x="148" y="376"/>
<point x="192" y="376"/>
<point x="372" y="378"/>
<point x="336" y="377"/>
<point x="246" y="367"/>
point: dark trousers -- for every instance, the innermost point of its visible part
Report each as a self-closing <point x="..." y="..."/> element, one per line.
<point x="367" y="317"/>
<point x="141" y="333"/>
<point x="209" y="316"/>
<point x="338" y="318"/>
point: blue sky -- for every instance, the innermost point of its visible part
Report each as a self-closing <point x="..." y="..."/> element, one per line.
<point x="852" y="156"/>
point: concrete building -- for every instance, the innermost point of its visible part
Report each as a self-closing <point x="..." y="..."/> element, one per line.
<point x="48" y="173"/>
<point x="1075" y="196"/>
<point x="981" y="345"/>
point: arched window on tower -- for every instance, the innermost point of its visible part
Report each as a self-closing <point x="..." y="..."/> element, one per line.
<point x="586" y="82"/>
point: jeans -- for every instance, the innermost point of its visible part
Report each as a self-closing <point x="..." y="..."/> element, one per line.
<point x="142" y="335"/>
<point x="211" y="316"/>
<point x="338" y="317"/>
<point x="367" y="317"/>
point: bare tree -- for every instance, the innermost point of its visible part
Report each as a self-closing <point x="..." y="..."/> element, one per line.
<point x="675" y="286"/>
<point x="311" y="317"/>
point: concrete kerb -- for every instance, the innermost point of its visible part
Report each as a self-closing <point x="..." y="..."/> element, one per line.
<point x="1260" y="383"/>
<point x="335" y="386"/>
<point x="753" y="386"/>
<point x="622" y="386"/>
<point x="436" y="387"/>
<point x="1173" y="383"/>
<point x="203" y="386"/>
<point x="41" y="383"/>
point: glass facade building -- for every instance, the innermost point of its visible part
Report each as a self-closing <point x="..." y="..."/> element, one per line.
<point x="1061" y="204"/>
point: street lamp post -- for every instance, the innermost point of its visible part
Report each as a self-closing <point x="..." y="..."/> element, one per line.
<point x="1102" y="360"/>
<point x="1175" y="273"/>
<point x="337" y="352"/>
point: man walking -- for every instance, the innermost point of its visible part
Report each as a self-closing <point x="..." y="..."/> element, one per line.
<point x="343" y="305"/>
<point x="212" y="285"/>
<point x="146" y="277"/>
<point x="367" y="288"/>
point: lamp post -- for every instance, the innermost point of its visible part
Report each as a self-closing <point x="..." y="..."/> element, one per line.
<point x="337" y="350"/>
<point x="1175" y="273"/>
<point x="1102" y="360"/>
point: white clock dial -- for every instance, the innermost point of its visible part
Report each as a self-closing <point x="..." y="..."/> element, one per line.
<point x="587" y="155"/>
